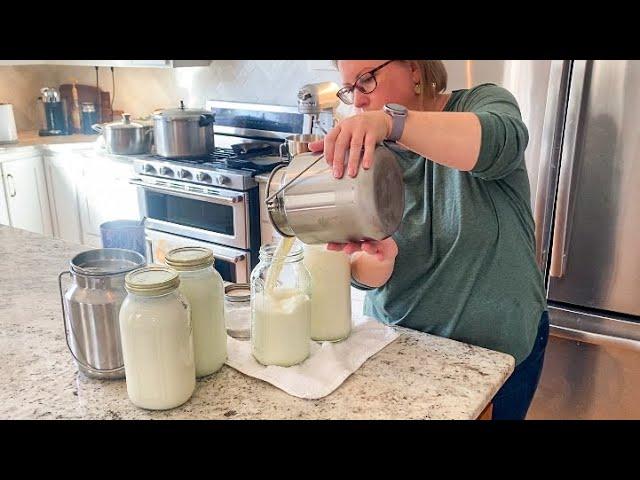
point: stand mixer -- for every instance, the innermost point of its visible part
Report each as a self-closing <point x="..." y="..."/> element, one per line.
<point x="318" y="101"/>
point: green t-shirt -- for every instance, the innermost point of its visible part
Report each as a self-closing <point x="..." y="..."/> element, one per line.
<point x="466" y="265"/>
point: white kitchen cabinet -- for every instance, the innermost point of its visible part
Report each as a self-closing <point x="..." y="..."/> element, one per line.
<point x="63" y="175"/>
<point x="26" y="192"/>
<point x="105" y="194"/>
<point x="4" y="210"/>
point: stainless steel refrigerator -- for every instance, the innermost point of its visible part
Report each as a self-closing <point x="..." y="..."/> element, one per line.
<point x="587" y="212"/>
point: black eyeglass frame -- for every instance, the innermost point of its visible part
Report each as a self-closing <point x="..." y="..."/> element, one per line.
<point x="348" y="90"/>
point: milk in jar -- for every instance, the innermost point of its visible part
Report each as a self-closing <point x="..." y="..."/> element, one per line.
<point x="330" y="292"/>
<point x="280" y="306"/>
<point x="203" y="287"/>
<point x="157" y="339"/>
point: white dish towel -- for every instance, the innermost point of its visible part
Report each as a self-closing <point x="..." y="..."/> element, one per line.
<point x="328" y="365"/>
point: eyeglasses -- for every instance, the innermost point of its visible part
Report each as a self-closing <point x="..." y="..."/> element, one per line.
<point x="365" y="83"/>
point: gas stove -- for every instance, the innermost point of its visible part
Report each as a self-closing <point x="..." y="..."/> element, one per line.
<point x="223" y="168"/>
<point x="213" y="200"/>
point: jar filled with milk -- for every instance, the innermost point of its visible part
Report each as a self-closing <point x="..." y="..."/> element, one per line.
<point x="330" y="292"/>
<point x="201" y="283"/>
<point x="281" y="305"/>
<point x="157" y="339"/>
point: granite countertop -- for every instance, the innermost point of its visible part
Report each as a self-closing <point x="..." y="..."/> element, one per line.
<point x="32" y="139"/>
<point x="418" y="376"/>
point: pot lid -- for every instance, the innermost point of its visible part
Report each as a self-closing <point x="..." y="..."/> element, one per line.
<point x="124" y="123"/>
<point x="181" y="113"/>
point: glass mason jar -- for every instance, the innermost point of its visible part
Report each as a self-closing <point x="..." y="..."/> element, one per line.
<point x="280" y="306"/>
<point x="330" y="292"/>
<point x="157" y="339"/>
<point x="237" y="310"/>
<point x="201" y="283"/>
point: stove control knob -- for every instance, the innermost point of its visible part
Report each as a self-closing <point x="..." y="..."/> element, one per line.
<point x="150" y="169"/>
<point x="185" y="174"/>
<point x="222" y="180"/>
<point x="204" y="177"/>
<point x="166" y="171"/>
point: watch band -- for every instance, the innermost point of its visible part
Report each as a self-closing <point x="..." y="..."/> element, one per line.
<point x="398" y="119"/>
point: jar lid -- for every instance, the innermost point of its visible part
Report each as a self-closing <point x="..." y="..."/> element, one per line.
<point x="152" y="280"/>
<point x="237" y="292"/>
<point x="189" y="258"/>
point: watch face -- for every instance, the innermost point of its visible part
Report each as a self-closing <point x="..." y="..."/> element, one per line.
<point x="396" y="107"/>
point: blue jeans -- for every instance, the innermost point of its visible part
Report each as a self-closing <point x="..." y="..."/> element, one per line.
<point x="514" y="397"/>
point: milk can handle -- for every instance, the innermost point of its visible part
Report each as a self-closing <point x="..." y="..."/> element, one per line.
<point x="66" y="333"/>
<point x="273" y="195"/>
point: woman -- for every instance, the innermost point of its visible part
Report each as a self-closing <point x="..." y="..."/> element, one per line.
<point x="462" y="264"/>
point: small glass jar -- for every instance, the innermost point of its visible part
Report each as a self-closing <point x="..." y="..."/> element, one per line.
<point x="237" y="310"/>
<point x="202" y="285"/>
<point x="157" y="339"/>
<point x="330" y="292"/>
<point x="280" y="306"/>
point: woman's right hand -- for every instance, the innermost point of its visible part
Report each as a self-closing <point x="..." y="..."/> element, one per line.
<point x="359" y="135"/>
<point x="384" y="250"/>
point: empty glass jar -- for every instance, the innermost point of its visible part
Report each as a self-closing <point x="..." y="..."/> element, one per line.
<point x="237" y="310"/>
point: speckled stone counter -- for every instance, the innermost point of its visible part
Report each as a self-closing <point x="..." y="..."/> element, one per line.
<point x="32" y="139"/>
<point x="418" y="376"/>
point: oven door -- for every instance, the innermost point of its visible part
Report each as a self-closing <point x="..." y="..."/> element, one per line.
<point x="232" y="264"/>
<point x="209" y="214"/>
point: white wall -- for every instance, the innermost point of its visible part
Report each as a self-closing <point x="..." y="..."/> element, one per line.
<point x="21" y="87"/>
<point x="139" y="91"/>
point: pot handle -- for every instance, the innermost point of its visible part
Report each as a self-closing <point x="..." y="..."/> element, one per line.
<point x="284" y="156"/>
<point x="97" y="127"/>
<point x="206" y="119"/>
<point x="66" y="333"/>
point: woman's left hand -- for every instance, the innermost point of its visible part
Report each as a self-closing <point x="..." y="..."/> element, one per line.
<point x="366" y="130"/>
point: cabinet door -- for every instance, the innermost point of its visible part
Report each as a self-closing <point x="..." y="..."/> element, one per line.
<point x="63" y="176"/>
<point x="107" y="194"/>
<point x="4" y="211"/>
<point x="26" y="194"/>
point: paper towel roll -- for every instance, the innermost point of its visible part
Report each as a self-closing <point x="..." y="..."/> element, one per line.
<point x="8" y="132"/>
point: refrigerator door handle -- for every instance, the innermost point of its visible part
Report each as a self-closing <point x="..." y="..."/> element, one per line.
<point x="550" y="149"/>
<point x="594" y="338"/>
<point x="574" y="109"/>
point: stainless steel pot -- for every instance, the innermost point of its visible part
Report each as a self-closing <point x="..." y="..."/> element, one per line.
<point x="126" y="137"/>
<point x="183" y="132"/>
<point x="296" y="144"/>
<point x="91" y="307"/>
<point x="305" y="200"/>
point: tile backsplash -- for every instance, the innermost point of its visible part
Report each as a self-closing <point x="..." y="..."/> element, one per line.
<point x="141" y="90"/>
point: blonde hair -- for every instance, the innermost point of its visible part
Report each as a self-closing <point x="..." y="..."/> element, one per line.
<point x="433" y="78"/>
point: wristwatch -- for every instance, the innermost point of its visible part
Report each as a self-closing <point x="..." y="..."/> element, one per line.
<point x="398" y="114"/>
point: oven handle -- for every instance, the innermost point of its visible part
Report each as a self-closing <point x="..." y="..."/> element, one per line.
<point x="216" y="253"/>
<point x="211" y="198"/>
<point x="235" y="259"/>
